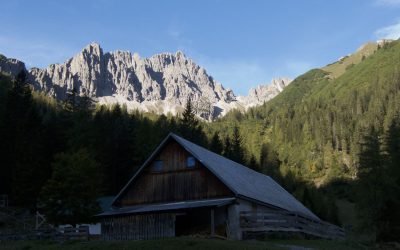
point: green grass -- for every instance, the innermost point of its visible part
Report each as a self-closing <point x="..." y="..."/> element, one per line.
<point x="339" y="68"/>
<point x="180" y="244"/>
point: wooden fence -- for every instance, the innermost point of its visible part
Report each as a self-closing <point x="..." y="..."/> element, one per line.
<point x="75" y="233"/>
<point x="80" y="233"/>
<point x="288" y="222"/>
<point x="21" y="225"/>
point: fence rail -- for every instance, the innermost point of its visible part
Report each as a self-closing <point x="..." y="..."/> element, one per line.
<point x="22" y="225"/>
<point x="288" y="222"/>
<point x="81" y="233"/>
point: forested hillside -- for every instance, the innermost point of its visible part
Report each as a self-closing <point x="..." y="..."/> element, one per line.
<point x="326" y="137"/>
<point x="321" y="126"/>
<point x="57" y="150"/>
<point x="317" y="122"/>
<point x="41" y="141"/>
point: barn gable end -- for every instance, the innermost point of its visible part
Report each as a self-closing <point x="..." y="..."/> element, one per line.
<point x="171" y="174"/>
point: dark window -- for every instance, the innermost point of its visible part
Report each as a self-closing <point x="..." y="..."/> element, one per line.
<point x="190" y="162"/>
<point x="158" y="166"/>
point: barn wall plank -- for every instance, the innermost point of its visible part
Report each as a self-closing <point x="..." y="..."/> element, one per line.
<point x="138" y="227"/>
<point x="176" y="182"/>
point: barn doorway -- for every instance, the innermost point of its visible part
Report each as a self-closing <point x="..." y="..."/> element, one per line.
<point x="190" y="222"/>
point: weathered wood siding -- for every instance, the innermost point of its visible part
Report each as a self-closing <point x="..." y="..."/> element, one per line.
<point x="176" y="182"/>
<point x="138" y="227"/>
<point x="284" y="221"/>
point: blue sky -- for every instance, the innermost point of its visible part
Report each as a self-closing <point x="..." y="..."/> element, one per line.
<point x="240" y="43"/>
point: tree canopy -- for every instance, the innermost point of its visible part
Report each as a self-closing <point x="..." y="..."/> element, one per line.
<point x="70" y="195"/>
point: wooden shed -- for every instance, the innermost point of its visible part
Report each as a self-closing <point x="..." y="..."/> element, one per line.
<point x="185" y="189"/>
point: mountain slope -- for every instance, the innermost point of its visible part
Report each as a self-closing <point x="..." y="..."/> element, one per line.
<point x="160" y="84"/>
<point x="10" y="66"/>
<point x="125" y="77"/>
<point x="336" y="69"/>
<point x="316" y="124"/>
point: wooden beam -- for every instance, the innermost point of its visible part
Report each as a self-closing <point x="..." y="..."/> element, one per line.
<point x="212" y="223"/>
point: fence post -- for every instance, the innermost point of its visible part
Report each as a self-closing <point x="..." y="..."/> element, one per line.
<point x="40" y="219"/>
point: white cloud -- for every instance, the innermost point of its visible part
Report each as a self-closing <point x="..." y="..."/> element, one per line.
<point x="389" y="32"/>
<point x="388" y="2"/>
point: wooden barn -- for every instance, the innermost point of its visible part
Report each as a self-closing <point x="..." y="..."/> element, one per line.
<point x="185" y="189"/>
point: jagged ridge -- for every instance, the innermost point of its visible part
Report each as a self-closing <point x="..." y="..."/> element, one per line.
<point x="161" y="83"/>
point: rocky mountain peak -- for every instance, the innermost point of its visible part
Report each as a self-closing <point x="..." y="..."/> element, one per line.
<point x="264" y="92"/>
<point x="161" y="83"/>
<point x="93" y="48"/>
<point x="123" y="77"/>
<point x="10" y="66"/>
<point x="179" y="54"/>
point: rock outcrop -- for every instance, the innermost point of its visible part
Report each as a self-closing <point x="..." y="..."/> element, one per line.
<point x="10" y="66"/>
<point x="120" y="76"/>
<point x="161" y="83"/>
<point x="262" y="93"/>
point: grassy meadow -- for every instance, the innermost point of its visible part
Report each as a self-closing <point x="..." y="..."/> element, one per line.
<point x="183" y="243"/>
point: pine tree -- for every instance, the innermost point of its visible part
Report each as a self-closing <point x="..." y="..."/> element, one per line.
<point x="227" y="147"/>
<point x="70" y="104"/>
<point x="216" y="144"/>
<point x="253" y="163"/>
<point x="269" y="162"/>
<point x="390" y="215"/>
<point x="24" y="157"/>
<point x="189" y="119"/>
<point x="237" y="147"/>
<point x="85" y="104"/>
<point x="372" y="184"/>
<point x="189" y="125"/>
<point x="392" y="148"/>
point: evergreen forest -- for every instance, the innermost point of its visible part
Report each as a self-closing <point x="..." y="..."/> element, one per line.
<point x="332" y="140"/>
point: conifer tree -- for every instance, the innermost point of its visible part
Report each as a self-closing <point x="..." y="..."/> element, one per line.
<point x="189" y="120"/>
<point x="190" y="127"/>
<point x="372" y="184"/>
<point x="23" y="142"/>
<point x="253" y="163"/>
<point x="227" y="147"/>
<point x="237" y="147"/>
<point x="70" y="104"/>
<point x="390" y="214"/>
<point x="269" y="162"/>
<point x="216" y="144"/>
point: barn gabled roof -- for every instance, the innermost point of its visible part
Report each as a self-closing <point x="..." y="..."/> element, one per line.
<point x="244" y="182"/>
